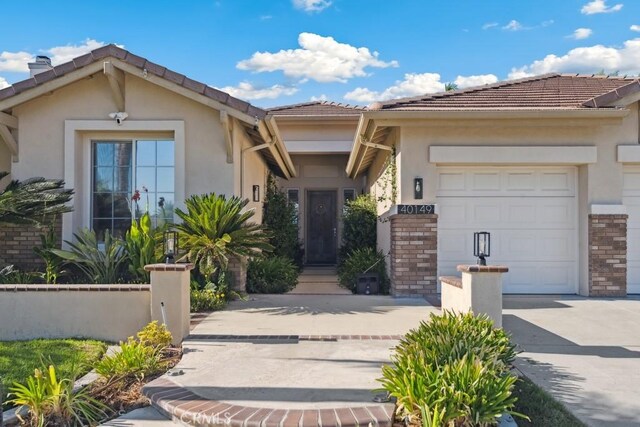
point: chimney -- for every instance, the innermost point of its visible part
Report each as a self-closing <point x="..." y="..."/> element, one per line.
<point x="42" y="64"/>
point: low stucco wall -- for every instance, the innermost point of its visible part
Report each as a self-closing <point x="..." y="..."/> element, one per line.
<point x="104" y="312"/>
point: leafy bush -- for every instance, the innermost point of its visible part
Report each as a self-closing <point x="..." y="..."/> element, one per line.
<point x="10" y="275"/>
<point x="207" y="300"/>
<point x="133" y="359"/>
<point x="215" y="228"/>
<point x="273" y="275"/>
<point x="452" y="370"/>
<point x="52" y="263"/>
<point x="155" y="335"/>
<point x="281" y="219"/>
<point x="359" y="225"/>
<point x="51" y="401"/>
<point x="141" y="243"/>
<point x="98" y="265"/>
<point x="360" y="261"/>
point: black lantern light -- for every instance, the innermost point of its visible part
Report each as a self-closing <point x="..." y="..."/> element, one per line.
<point x="170" y="246"/>
<point x="417" y="188"/>
<point x="256" y="193"/>
<point x="481" y="246"/>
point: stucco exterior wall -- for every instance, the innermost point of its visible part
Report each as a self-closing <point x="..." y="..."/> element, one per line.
<point x="310" y="131"/>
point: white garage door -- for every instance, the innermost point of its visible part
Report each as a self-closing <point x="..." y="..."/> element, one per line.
<point x="631" y="193"/>
<point x="531" y="214"/>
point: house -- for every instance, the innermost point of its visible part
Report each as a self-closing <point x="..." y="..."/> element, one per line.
<point x="550" y="165"/>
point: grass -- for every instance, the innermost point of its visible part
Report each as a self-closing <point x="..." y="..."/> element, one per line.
<point x="542" y="409"/>
<point x="18" y="359"/>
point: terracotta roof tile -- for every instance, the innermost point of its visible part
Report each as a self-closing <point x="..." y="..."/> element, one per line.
<point x="141" y="63"/>
<point x="317" y="108"/>
<point x="550" y="91"/>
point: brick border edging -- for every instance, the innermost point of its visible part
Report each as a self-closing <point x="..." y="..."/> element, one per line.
<point x="74" y="288"/>
<point x="177" y="402"/>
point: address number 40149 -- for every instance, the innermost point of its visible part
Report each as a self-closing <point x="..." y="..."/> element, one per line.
<point x="416" y="209"/>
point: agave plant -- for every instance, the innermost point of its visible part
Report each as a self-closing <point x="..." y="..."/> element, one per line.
<point x="215" y="228"/>
<point x="33" y="201"/>
<point x="99" y="265"/>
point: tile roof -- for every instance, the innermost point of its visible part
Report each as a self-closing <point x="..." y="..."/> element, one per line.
<point x="549" y="91"/>
<point x="317" y="108"/>
<point x="114" y="51"/>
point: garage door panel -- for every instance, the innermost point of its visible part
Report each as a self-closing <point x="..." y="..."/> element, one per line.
<point x="531" y="215"/>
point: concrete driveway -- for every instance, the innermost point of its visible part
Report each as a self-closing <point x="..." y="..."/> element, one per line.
<point x="585" y="352"/>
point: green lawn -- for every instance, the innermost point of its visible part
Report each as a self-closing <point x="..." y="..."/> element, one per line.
<point x="18" y="359"/>
<point x="543" y="409"/>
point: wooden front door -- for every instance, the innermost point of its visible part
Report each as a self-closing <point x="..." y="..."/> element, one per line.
<point x="322" y="227"/>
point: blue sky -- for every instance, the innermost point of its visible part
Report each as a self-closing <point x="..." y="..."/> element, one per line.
<point x="286" y="51"/>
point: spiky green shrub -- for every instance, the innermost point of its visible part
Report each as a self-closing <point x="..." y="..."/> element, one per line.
<point x="273" y="275"/>
<point x="142" y="244"/>
<point x="133" y="358"/>
<point x="360" y="261"/>
<point x="97" y="264"/>
<point x="214" y="229"/>
<point x="155" y="335"/>
<point x="452" y="370"/>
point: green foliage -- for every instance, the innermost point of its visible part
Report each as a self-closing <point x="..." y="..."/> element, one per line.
<point x="203" y="300"/>
<point x="450" y="86"/>
<point x="141" y="244"/>
<point x="134" y="359"/>
<point x="51" y="401"/>
<point x="155" y="335"/>
<point x="215" y="228"/>
<point x="359" y="222"/>
<point x="52" y="262"/>
<point x="281" y="219"/>
<point x="360" y="261"/>
<point x="18" y="359"/>
<point x="541" y="408"/>
<point x="273" y="275"/>
<point x="98" y="265"/>
<point x="10" y="275"/>
<point x="33" y="201"/>
<point x="452" y="370"/>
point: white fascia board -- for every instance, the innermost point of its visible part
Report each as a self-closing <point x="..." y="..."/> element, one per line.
<point x="308" y="147"/>
<point x="513" y="155"/>
<point x="629" y="153"/>
<point x="608" y="210"/>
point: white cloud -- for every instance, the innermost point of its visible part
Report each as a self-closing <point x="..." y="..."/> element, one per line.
<point x="322" y="97"/>
<point x="246" y="90"/>
<point x="489" y="25"/>
<point x="265" y="17"/>
<point x="479" y="80"/>
<point x="513" y="25"/>
<point x="3" y="83"/>
<point x="582" y="33"/>
<point x="625" y="59"/>
<point x="311" y="6"/>
<point x="416" y="84"/>
<point x="62" y="54"/>
<point x="320" y="58"/>
<point x="547" y="23"/>
<point x="635" y="28"/>
<point x="15" y="62"/>
<point x="599" y="6"/>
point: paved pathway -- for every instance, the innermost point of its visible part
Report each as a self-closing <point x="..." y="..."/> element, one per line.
<point x="585" y="352"/>
<point x="297" y="358"/>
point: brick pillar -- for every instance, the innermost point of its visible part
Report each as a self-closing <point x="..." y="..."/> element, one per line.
<point x="607" y="255"/>
<point x="414" y="255"/>
<point x="17" y="243"/>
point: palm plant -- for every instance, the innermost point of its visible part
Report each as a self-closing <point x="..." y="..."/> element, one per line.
<point x="215" y="228"/>
<point x="98" y="264"/>
<point x="33" y="201"/>
<point x="141" y="244"/>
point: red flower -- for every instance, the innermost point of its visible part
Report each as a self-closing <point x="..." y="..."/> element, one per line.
<point x="136" y="196"/>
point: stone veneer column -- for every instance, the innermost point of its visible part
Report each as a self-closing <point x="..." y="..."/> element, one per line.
<point x="414" y="255"/>
<point x="607" y="255"/>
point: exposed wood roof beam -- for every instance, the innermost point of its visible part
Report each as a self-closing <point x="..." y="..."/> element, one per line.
<point x="227" y="129"/>
<point x="9" y="140"/>
<point x="115" y="77"/>
<point x="8" y="120"/>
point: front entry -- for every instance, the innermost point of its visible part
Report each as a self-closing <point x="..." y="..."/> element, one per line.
<point x="322" y="227"/>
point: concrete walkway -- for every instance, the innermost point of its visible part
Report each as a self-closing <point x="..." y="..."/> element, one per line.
<point x="299" y="356"/>
<point x="585" y="352"/>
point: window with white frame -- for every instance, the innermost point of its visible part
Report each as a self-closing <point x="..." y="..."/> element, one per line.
<point x="131" y="178"/>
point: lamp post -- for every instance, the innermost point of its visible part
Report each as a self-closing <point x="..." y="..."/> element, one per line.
<point x="481" y="246"/>
<point x="170" y="246"/>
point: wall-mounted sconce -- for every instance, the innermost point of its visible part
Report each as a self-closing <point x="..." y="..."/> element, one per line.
<point x="256" y="193"/>
<point x="417" y="188"/>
